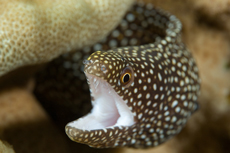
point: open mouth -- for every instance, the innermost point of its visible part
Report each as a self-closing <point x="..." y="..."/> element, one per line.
<point x="109" y="109"/>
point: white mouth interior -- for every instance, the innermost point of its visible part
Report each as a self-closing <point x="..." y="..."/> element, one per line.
<point x="109" y="109"/>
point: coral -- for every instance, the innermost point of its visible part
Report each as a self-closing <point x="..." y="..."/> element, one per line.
<point x="37" y="31"/>
<point x="5" y="147"/>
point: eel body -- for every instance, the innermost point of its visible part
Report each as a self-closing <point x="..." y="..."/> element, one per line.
<point x="141" y="95"/>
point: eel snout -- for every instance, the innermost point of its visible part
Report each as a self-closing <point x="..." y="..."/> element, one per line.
<point x="110" y="114"/>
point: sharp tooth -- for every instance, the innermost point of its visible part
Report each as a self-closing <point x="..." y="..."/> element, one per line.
<point x="88" y="81"/>
<point x="95" y="83"/>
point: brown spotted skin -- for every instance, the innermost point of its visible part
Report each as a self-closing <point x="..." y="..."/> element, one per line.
<point x="162" y="96"/>
<point x="165" y="88"/>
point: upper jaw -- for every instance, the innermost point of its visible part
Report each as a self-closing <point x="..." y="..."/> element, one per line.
<point x="109" y="109"/>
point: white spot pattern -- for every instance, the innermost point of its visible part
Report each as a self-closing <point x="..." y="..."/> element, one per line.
<point x="164" y="83"/>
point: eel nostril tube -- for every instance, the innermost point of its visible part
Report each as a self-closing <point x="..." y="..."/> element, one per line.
<point x="86" y="62"/>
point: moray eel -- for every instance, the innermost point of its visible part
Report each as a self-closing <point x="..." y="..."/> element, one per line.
<point x="141" y="95"/>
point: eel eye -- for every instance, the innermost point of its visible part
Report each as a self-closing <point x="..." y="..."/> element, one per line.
<point x="126" y="76"/>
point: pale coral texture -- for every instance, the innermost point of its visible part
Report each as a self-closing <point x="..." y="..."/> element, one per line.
<point x="213" y="6"/>
<point x="215" y="11"/>
<point x="36" y="31"/>
<point x="5" y="148"/>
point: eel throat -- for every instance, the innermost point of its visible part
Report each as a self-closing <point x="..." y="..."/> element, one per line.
<point x="109" y="109"/>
